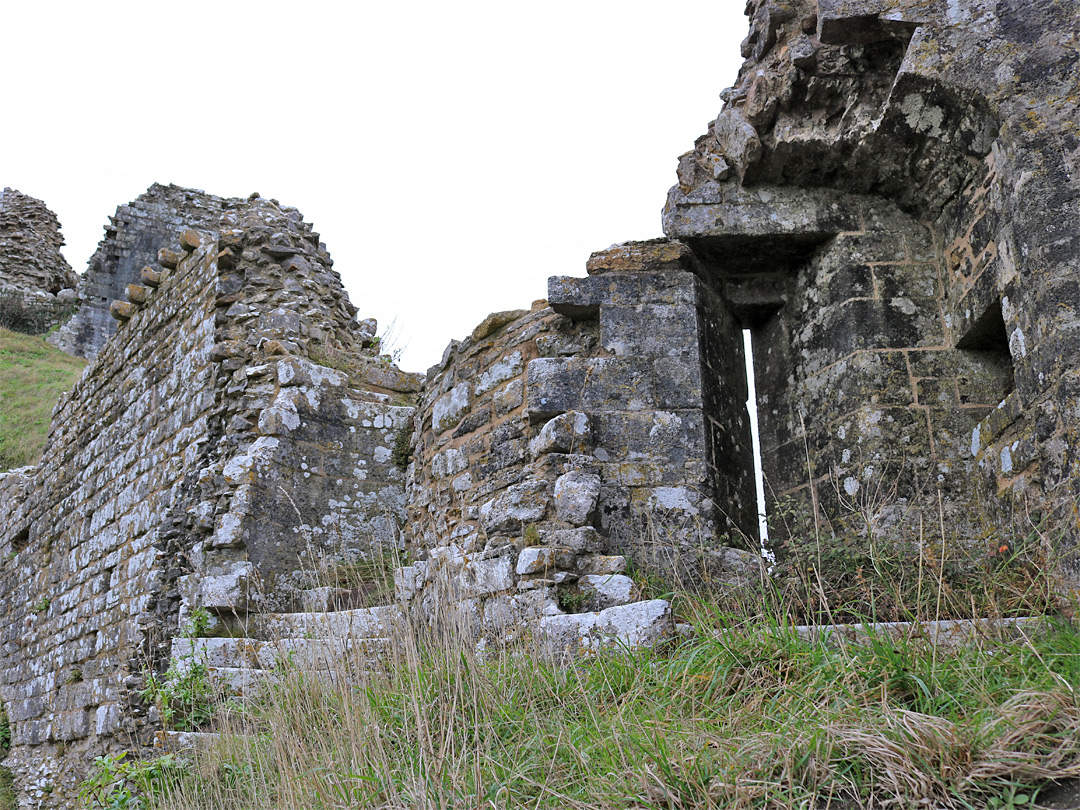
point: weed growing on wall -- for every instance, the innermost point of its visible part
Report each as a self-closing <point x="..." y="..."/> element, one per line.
<point x="401" y="454"/>
<point x="184" y="696"/>
<point x="117" y="783"/>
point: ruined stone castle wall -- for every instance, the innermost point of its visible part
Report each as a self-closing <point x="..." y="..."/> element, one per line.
<point x="203" y="461"/>
<point x="30" y="242"/>
<point x="36" y="282"/>
<point x="940" y="349"/>
<point x="551" y="443"/>
<point x="79" y="536"/>
<point x="302" y="470"/>
<point x="132" y="239"/>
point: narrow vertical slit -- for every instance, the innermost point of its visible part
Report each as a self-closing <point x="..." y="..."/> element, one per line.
<point x="751" y="408"/>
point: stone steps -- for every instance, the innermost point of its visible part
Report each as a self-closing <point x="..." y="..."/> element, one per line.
<point x="176" y="742"/>
<point x="247" y="653"/>
<point x="238" y="682"/>
<point x="358" y="623"/>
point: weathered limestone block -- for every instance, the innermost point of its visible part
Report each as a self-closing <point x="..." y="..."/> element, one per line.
<point x="409" y="580"/>
<point x="581" y="298"/>
<point x="542" y="559"/>
<point x="136" y="293"/>
<point x="579" y="540"/>
<point x="515" y="508"/>
<point x="566" y="433"/>
<point x="603" y="591"/>
<point x="555" y="386"/>
<point x="739" y="142"/>
<point x="486" y="576"/>
<point x="496" y="321"/>
<point x="602" y="564"/>
<point x="448" y="410"/>
<point x="505" y="369"/>
<point x="121" y="310"/>
<point x="151" y="277"/>
<point x="448" y="463"/>
<point x="302" y="372"/>
<point x="652" y="255"/>
<point x="229" y="590"/>
<point x="640" y="624"/>
<point x="576" y="496"/>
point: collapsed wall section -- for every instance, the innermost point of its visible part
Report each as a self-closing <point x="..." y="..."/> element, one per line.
<point x="36" y="282"/>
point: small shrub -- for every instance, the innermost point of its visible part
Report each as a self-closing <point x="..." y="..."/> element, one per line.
<point x="199" y="621"/>
<point x="184" y="695"/>
<point x="5" y="732"/>
<point x="114" y="783"/>
<point x="531" y="535"/>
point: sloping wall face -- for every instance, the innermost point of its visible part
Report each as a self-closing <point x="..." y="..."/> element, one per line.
<point x="300" y="473"/>
<point x="132" y="240"/>
<point x="82" y="580"/>
<point x="889" y="200"/>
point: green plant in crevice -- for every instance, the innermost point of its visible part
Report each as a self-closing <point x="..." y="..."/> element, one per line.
<point x="571" y="601"/>
<point x="530" y="535"/>
<point x="199" y="621"/>
<point x="117" y="783"/>
<point x="5" y="732"/>
<point x="183" y="695"/>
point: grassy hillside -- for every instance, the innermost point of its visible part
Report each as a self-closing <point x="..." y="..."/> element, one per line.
<point x="32" y="376"/>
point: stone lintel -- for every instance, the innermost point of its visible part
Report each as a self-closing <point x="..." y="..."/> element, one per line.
<point x="758" y="229"/>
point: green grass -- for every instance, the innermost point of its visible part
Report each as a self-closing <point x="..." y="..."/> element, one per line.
<point x="745" y="715"/>
<point x="33" y="375"/>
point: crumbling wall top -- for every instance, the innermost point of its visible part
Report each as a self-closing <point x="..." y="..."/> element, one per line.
<point x="30" y="242"/>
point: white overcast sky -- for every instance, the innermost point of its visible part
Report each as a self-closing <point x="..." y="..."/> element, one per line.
<point x="452" y="155"/>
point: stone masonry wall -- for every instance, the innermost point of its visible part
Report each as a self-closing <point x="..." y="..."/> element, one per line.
<point x="309" y="473"/>
<point x="132" y="240"/>
<point x="36" y="282"/>
<point x="887" y="201"/>
<point x="204" y="460"/>
<point x="30" y="242"/>
<point x="553" y="444"/>
<point x="948" y="340"/>
<point x="82" y="575"/>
